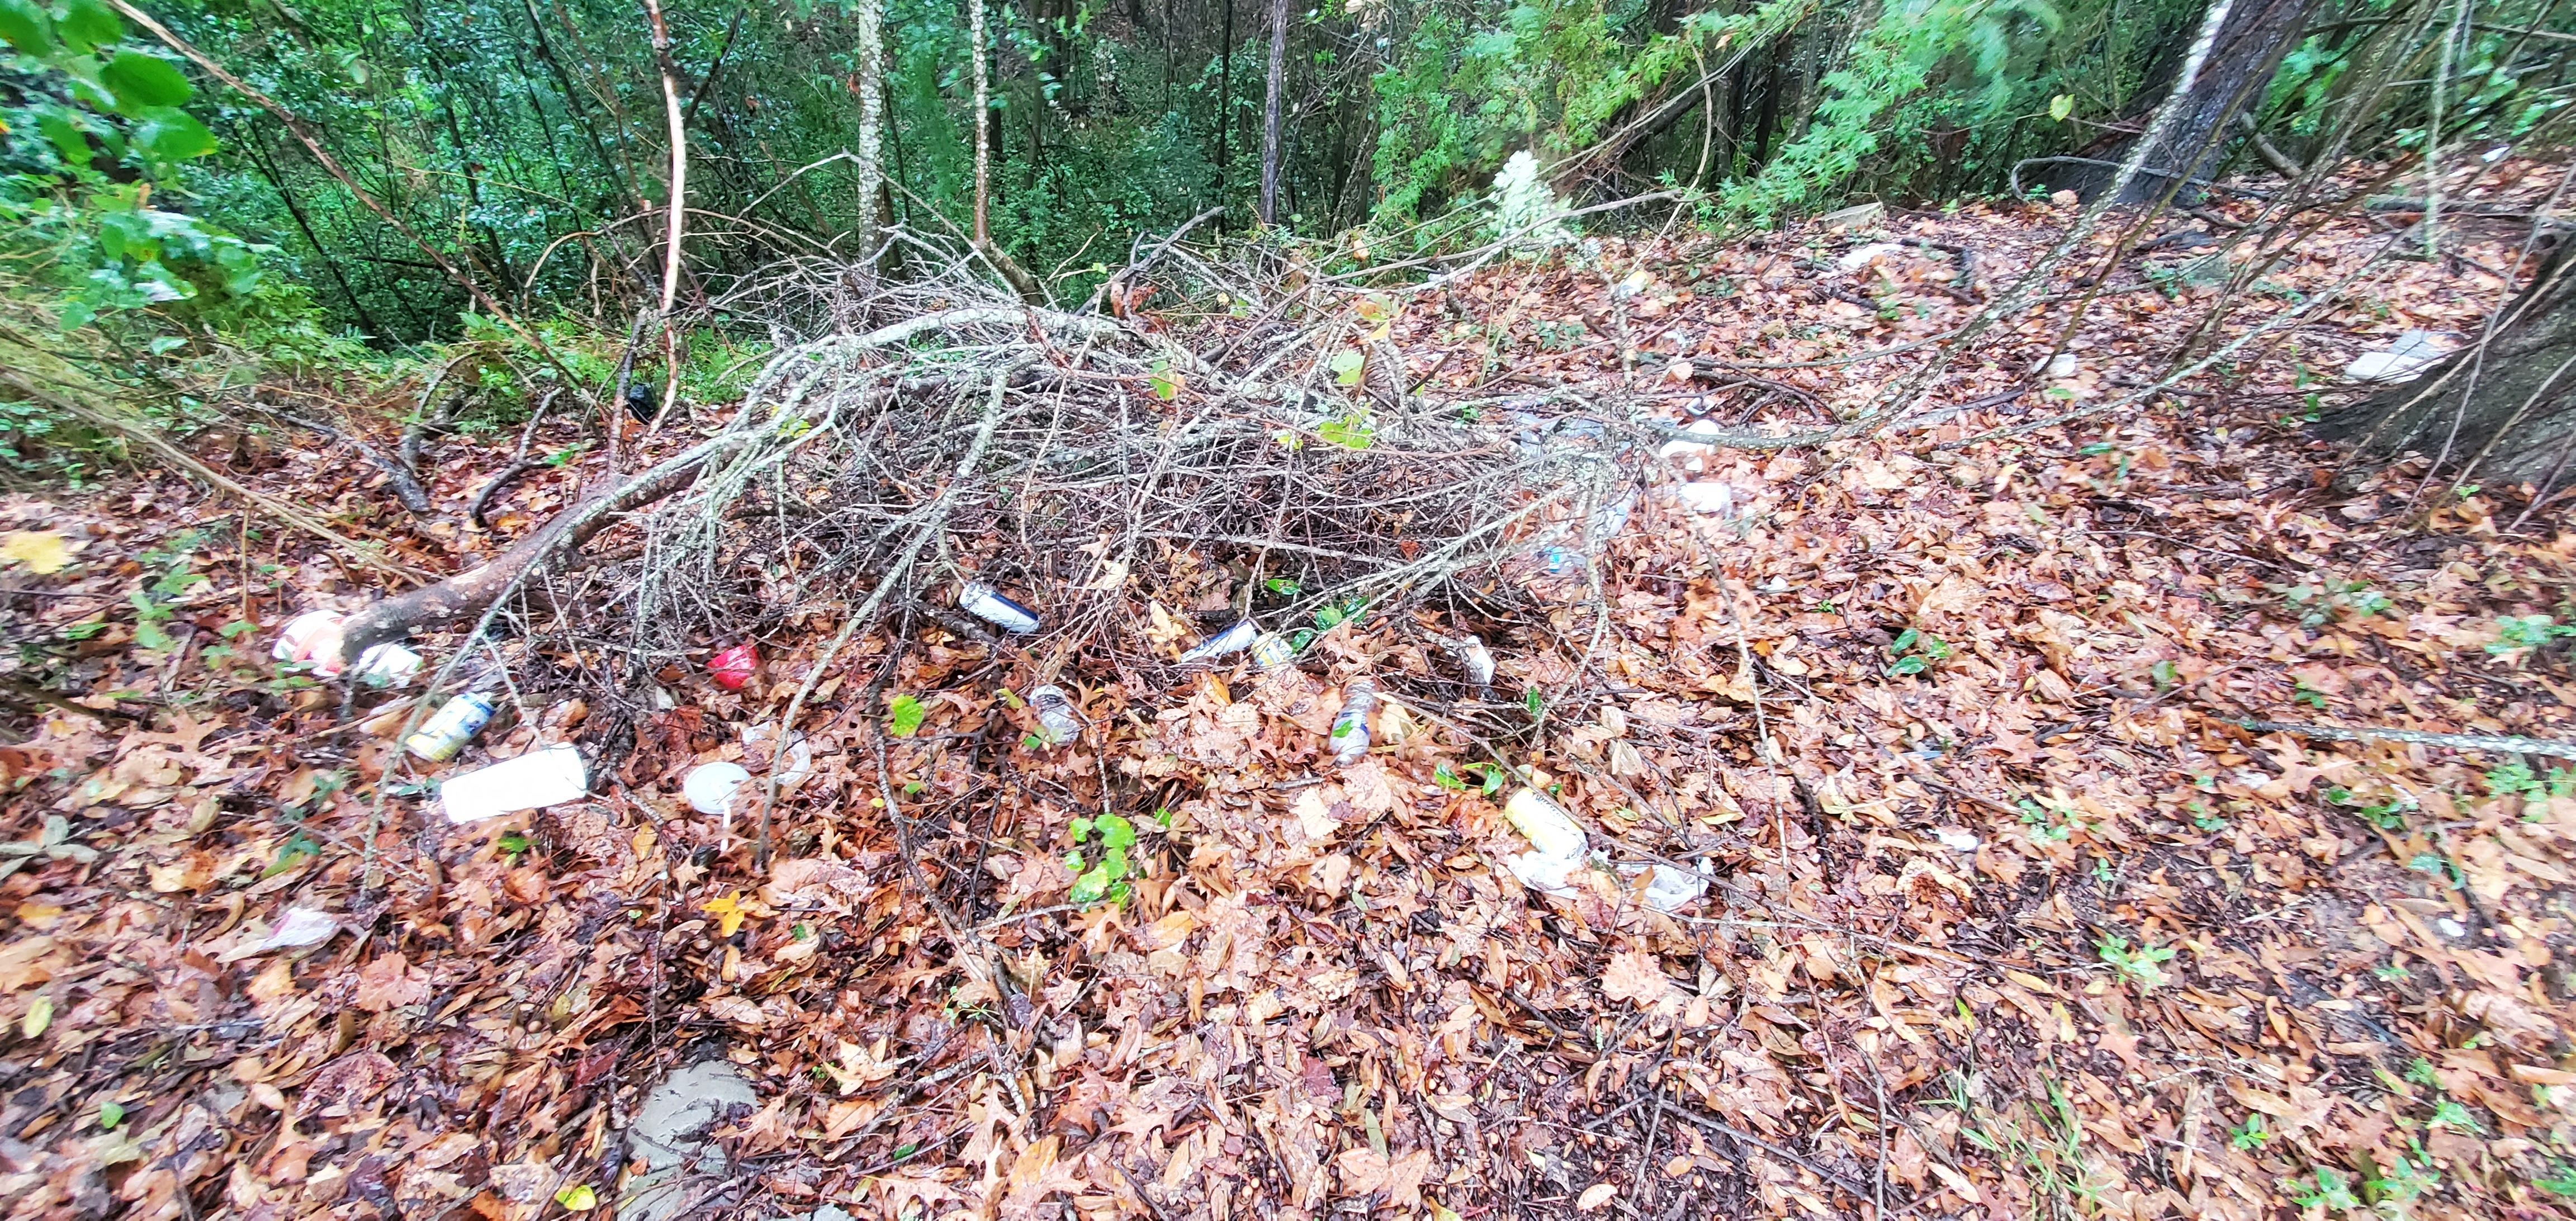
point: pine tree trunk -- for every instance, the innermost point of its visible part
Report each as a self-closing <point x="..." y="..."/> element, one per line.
<point x="2507" y="416"/>
<point x="983" y="127"/>
<point x="1271" y="118"/>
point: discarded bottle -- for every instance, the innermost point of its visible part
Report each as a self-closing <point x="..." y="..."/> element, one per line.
<point x="987" y="603"/>
<point x="1273" y="654"/>
<point x="1473" y="657"/>
<point x="1350" y="736"/>
<point x="1550" y="829"/>
<point x="439" y="738"/>
<point x="735" y="666"/>
<point x="1232" y="640"/>
<point x="710" y="787"/>
<point x="1058" y="722"/>
<point x="548" y="776"/>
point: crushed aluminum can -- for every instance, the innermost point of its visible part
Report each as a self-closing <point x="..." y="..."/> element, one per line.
<point x="1057" y="721"/>
<point x="1350" y="736"/>
<point x="439" y="738"/>
<point x="1473" y="657"/>
<point x="1272" y="653"/>
<point x="987" y="603"/>
<point x="1234" y="639"/>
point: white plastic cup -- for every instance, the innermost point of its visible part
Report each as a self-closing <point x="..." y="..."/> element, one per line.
<point x="712" y="787"/>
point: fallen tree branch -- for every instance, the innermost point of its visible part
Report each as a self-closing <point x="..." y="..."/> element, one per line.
<point x="406" y="486"/>
<point x="468" y="592"/>
<point x="2508" y="744"/>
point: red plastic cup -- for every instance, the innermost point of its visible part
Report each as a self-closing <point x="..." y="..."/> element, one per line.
<point x="733" y="667"/>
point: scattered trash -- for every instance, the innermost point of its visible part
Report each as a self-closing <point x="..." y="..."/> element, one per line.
<point x="2063" y="365"/>
<point x="307" y="636"/>
<point x="1956" y="839"/>
<point x="1350" y="736"/>
<point x="1853" y="217"/>
<point x="735" y="666"/>
<point x="710" y="787"/>
<point x="388" y="665"/>
<point x="1273" y="654"/>
<point x="1608" y="520"/>
<point x="987" y="603"/>
<point x="1708" y="496"/>
<point x="447" y="732"/>
<point x="1667" y="888"/>
<point x="1057" y="720"/>
<point x="1557" y="846"/>
<point x="1862" y="256"/>
<point x="298" y="929"/>
<point x="1234" y="639"/>
<point x="547" y="776"/>
<point x="1474" y="658"/>
<point x="2401" y="361"/>
<point x="1546" y="824"/>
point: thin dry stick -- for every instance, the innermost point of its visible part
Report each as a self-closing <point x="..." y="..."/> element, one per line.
<point x="2508" y="744"/>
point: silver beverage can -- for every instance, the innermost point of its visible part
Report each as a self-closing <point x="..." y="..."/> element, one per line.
<point x="1232" y="640"/>
<point x="987" y="603"/>
<point x="439" y="738"/>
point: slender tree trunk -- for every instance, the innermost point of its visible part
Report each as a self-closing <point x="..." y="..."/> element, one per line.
<point x="983" y="126"/>
<point x="869" y="16"/>
<point x="2504" y="416"/>
<point x="1224" y="98"/>
<point x="675" y="228"/>
<point x="1271" y="118"/>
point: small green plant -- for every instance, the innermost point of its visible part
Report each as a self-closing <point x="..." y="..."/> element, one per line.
<point x="110" y="1114"/>
<point x="903" y="716"/>
<point x="2402" y="1180"/>
<point x="515" y="844"/>
<point x="2141" y="966"/>
<point x="2560" y="1181"/>
<point x="2421" y="1073"/>
<point x="2439" y="866"/>
<point x="2389" y="815"/>
<point x="1484" y="776"/>
<point x="2205" y="818"/>
<point x="2251" y="1134"/>
<point x="2302" y="693"/>
<point x="1915" y="652"/>
<point x="2515" y="633"/>
<point x="2332" y="1188"/>
<point x="2048" y="823"/>
<point x="2331" y="600"/>
<point x="2515" y="777"/>
<point x="1103" y="880"/>
<point x="2453" y="1114"/>
<point x="2391" y="972"/>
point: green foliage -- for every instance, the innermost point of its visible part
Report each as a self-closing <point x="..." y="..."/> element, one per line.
<point x="1103" y="880"/>
<point x="1915" y="652"/>
<point x="2142" y="966"/>
<point x="2515" y="633"/>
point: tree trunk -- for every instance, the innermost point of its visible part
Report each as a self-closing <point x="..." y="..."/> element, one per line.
<point x="869" y="15"/>
<point x="2505" y="416"/>
<point x="1270" y="112"/>
<point x="1224" y="98"/>
<point x="2242" y="61"/>
<point x="983" y="126"/>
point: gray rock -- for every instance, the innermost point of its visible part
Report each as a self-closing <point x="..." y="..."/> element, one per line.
<point x="670" y="1136"/>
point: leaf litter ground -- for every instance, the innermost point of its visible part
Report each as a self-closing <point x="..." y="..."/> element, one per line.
<point x="2010" y="917"/>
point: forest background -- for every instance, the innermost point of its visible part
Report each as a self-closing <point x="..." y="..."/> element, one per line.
<point x="155" y="216"/>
